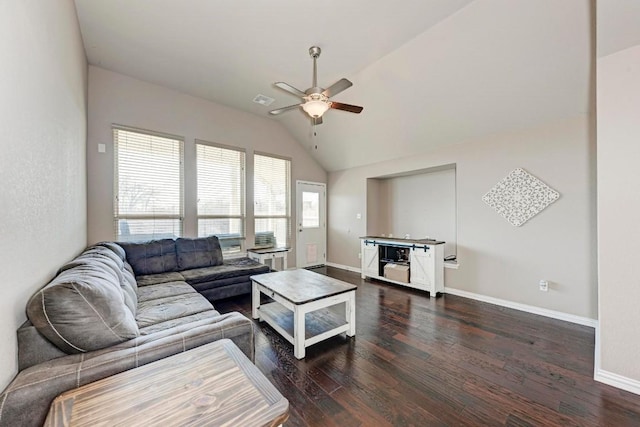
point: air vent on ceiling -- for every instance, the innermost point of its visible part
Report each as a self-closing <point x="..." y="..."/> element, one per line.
<point x="263" y="100"/>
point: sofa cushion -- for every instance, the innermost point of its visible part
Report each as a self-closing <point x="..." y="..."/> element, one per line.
<point x="157" y="256"/>
<point x="83" y="309"/>
<point x="219" y="283"/>
<point x="230" y="268"/>
<point x="111" y="261"/>
<point x="154" y="279"/>
<point x="163" y="290"/>
<point x="162" y="309"/>
<point x="116" y="248"/>
<point x="196" y="253"/>
<point x="179" y="321"/>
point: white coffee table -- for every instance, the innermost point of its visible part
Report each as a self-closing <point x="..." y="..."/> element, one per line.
<point x="300" y="311"/>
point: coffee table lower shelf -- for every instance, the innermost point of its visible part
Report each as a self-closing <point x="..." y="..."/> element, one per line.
<point x="319" y="325"/>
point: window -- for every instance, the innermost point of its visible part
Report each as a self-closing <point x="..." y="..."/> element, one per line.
<point x="148" y="185"/>
<point x="221" y="194"/>
<point x="272" y="194"/>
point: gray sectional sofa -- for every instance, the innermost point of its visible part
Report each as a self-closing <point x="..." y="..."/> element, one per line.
<point x="119" y="306"/>
<point x="198" y="262"/>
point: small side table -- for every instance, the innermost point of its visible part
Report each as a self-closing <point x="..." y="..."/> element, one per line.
<point x="262" y="255"/>
<point x="214" y="384"/>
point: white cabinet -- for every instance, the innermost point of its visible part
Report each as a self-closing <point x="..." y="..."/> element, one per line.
<point x="370" y="255"/>
<point x="427" y="268"/>
<point x="426" y="261"/>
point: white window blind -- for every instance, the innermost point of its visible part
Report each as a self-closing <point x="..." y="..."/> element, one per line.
<point x="272" y="195"/>
<point x="148" y="185"/>
<point x="220" y="174"/>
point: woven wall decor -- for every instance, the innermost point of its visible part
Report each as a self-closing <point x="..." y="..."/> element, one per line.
<point x="520" y="196"/>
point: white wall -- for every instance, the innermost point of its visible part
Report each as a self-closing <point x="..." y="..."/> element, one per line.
<point x="618" y="343"/>
<point x="42" y="167"/>
<point x="496" y="259"/>
<point x="118" y="99"/>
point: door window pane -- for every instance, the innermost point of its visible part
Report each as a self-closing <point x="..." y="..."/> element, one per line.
<point x="310" y="209"/>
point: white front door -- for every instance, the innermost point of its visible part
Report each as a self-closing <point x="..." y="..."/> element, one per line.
<point x="311" y="226"/>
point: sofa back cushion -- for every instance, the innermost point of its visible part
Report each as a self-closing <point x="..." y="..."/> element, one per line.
<point x="110" y="260"/>
<point x="156" y="256"/>
<point x="83" y="308"/>
<point x="197" y="253"/>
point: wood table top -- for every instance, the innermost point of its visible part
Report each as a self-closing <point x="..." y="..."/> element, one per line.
<point x="268" y="250"/>
<point x="214" y="384"/>
<point x="302" y="286"/>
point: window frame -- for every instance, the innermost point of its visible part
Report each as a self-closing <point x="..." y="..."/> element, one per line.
<point x="287" y="216"/>
<point x="243" y="195"/>
<point x="116" y="184"/>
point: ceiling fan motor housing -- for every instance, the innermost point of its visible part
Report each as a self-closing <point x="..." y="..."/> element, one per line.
<point x="314" y="90"/>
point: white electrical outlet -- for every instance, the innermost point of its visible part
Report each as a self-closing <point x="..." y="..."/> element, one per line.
<point x="544" y="285"/>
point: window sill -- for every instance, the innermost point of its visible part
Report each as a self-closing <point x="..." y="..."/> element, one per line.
<point x="451" y="264"/>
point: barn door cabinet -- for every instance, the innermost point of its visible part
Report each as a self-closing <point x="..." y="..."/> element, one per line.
<point x="424" y="258"/>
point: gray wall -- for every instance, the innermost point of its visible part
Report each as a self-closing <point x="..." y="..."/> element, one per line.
<point x="422" y="205"/>
<point x="618" y="343"/>
<point x="42" y="167"/>
<point x="496" y="259"/>
<point x="115" y="98"/>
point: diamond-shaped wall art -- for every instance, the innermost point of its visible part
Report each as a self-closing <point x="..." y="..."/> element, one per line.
<point x="520" y="196"/>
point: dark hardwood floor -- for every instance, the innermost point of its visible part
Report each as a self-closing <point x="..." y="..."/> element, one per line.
<point x="449" y="361"/>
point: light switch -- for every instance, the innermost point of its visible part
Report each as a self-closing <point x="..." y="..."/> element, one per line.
<point x="102" y="148"/>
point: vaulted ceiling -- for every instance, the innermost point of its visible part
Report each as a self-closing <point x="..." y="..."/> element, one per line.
<point x="428" y="72"/>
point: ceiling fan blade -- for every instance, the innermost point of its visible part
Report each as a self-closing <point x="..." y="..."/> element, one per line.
<point x="316" y="121"/>
<point x="283" y="109"/>
<point x="346" y="107"/>
<point x="290" y="89"/>
<point x="337" y="87"/>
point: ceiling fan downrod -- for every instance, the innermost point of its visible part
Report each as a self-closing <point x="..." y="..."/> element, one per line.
<point x="315" y="51"/>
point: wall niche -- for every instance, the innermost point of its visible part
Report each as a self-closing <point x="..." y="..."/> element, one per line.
<point x="420" y="203"/>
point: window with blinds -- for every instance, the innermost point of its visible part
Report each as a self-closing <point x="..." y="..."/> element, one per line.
<point x="148" y="185"/>
<point x="220" y="174"/>
<point x="272" y="195"/>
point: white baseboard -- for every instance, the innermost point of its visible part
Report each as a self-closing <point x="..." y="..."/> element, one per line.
<point x="343" y="267"/>
<point x="585" y="321"/>
<point x="618" y="381"/>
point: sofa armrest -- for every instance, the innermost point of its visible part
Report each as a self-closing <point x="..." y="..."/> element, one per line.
<point x="25" y="402"/>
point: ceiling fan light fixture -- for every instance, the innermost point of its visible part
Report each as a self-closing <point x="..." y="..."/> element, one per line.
<point x="317" y="104"/>
<point x="315" y="108"/>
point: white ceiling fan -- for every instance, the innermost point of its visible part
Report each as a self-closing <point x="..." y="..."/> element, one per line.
<point x="316" y="99"/>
